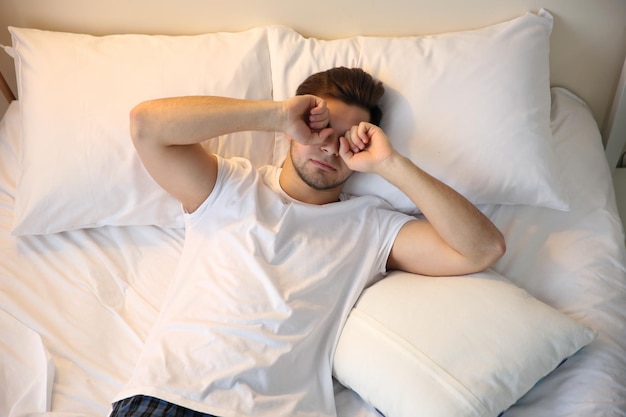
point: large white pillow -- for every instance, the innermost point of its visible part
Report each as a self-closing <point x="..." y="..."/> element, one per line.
<point x="451" y="346"/>
<point x="77" y="165"/>
<point x="472" y="108"/>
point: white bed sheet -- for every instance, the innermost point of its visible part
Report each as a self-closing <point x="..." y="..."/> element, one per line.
<point x="78" y="304"/>
<point x="576" y="262"/>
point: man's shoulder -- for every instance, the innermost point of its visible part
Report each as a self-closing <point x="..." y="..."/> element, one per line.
<point x="233" y="161"/>
<point x="240" y="171"/>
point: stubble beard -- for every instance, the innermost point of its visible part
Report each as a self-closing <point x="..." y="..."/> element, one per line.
<point x="315" y="180"/>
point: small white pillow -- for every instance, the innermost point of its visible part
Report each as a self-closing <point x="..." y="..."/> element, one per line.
<point x="472" y="108"/>
<point x="77" y="165"/>
<point x="451" y="346"/>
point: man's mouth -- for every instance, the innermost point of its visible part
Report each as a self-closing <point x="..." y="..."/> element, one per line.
<point x="323" y="165"/>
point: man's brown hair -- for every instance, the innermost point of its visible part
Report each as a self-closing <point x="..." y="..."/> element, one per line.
<point x="353" y="86"/>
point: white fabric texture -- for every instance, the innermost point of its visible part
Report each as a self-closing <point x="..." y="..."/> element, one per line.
<point x="250" y="322"/>
<point x="451" y="346"/>
<point x="472" y="108"/>
<point x="26" y="383"/>
<point x="76" y="92"/>
<point x="575" y="262"/>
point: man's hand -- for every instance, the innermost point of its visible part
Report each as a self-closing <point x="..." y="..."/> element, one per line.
<point x="306" y="119"/>
<point x="365" y="148"/>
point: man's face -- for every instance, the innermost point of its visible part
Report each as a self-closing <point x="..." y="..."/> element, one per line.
<point x="320" y="166"/>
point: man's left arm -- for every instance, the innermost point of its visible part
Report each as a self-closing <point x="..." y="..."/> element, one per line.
<point x="454" y="239"/>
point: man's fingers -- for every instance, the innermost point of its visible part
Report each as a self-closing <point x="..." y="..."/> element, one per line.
<point x="345" y="150"/>
<point x="358" y="139"/>
<point x="348" y="141"/>
<point x="319" y="116"/>
<point x="321" y="135"/>
<point x="318" y="121"/>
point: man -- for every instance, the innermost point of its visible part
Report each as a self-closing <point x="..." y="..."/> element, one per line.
<point x="275" y="258"/>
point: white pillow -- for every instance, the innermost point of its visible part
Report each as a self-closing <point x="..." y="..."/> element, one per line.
<point x="77" y="165"/>
<point x="451" y="346"/>
<point x="472" y="108"/>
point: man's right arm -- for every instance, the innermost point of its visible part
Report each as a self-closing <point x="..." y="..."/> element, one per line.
<point x="167" y="134"/>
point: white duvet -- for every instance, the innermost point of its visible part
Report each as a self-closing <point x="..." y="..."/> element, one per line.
<point x="75" y="306"/>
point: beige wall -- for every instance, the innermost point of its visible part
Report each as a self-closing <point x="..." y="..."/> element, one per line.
<point x="588" y="42"/>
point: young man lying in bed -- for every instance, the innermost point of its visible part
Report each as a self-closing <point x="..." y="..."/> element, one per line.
<point x="275" y="258"/>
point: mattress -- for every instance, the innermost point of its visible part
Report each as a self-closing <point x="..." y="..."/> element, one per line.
<point x="76" y="306"/>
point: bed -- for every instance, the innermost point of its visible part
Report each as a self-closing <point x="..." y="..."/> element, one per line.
<point x="88" y="243"/>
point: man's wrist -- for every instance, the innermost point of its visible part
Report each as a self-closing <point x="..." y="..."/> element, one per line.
<point x="394" y="167"/>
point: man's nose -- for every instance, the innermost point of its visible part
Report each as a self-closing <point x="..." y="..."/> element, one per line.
<point x="330" y="146"/>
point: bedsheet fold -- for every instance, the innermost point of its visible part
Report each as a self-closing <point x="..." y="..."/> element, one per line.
<point x="27" y="372"/>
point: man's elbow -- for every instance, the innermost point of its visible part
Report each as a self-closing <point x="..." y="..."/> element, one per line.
<point x="139" y="123"/>
<point x="493" y="250"/>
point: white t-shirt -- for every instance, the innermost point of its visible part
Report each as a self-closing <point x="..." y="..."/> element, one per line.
<point x="250" y="322"/>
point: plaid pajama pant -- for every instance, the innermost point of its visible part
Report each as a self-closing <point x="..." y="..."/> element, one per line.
<point x="144" y="406"/>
